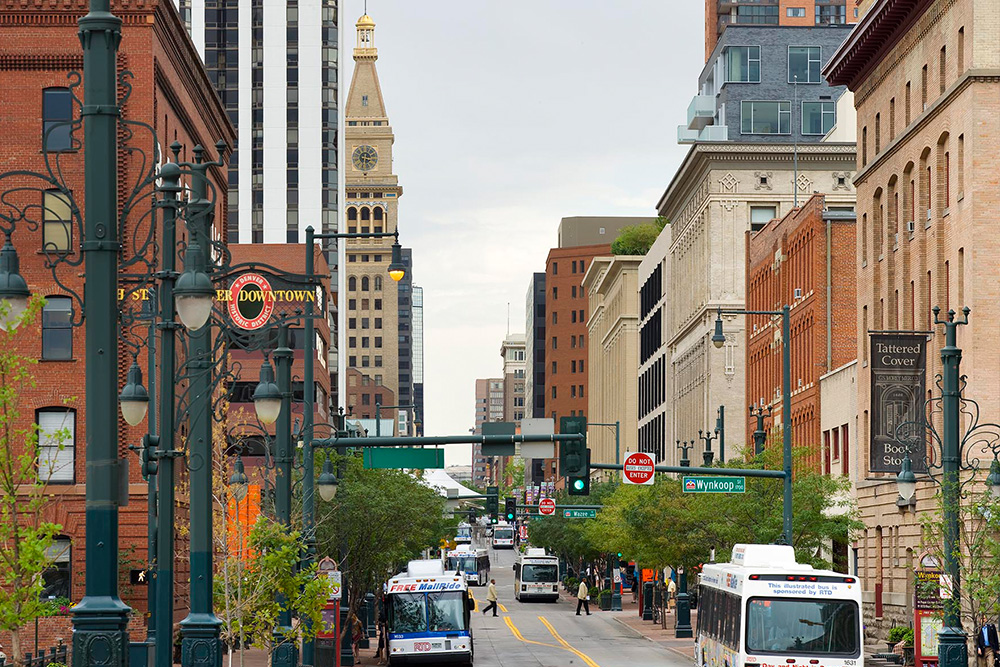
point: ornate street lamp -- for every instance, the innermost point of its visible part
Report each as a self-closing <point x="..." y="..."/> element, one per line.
<point x="193" y="296"/>
<point x="328" y="482"/>
<point x="396" y="268"/>
<point x="239" y="482"/>
<point x="134" y="400"/>
<point x="266" y="397"/>
<point x="13" y="288"/>
<point x="906" y="481"/>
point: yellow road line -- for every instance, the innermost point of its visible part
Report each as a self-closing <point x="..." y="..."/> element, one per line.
<point x="502" y="608"/>
<point x="565" y="644"/>
<point x="475" y="602"/>
<point x="517" y="633"/>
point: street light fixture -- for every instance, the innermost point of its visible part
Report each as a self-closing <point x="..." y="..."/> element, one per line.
<point x="13" y="288"/>
<point x="193" y="296"/>
<point x="396" y="268"/>
<point x="993" y="480"/>
<point x="328" y="482"/>
<point x="239" y="482"/>
<point x="266" y="397"/>
<point x="134" y="400"/>
<point x="718" y="338"/>
<point x="906" y="481"/>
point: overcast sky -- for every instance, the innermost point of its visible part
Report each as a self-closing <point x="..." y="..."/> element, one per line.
<point x="509" y="116"/>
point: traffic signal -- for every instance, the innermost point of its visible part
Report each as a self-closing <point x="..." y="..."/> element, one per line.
<point x="510" y="509"/>
<point x="492" y="502"/>
<point x="572" y="455"/>
<point x="579" y="484"/>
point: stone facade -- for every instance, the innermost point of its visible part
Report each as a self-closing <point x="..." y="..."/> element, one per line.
<point x="611" y="284"/>
<point x="926" y="78"/>
<point x="720" y="192"/>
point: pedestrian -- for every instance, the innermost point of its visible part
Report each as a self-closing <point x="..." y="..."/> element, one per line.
<point x="381" y="655"/>
<point x="583" y="597"/>
<point x="491" y="595"/>
<point x="357" y="634"/>
<point x="671" y="595"/>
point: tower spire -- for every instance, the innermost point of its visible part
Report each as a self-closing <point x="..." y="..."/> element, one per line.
<point x="365" y="47"/>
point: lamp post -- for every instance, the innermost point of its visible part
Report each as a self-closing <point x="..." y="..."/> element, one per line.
<point x="617" y="425"/>
<point x="954" y="459"/>
<point x="759" y="434"/>
<point x="379" y="408"/>
<point x="720" y="428"/>
<point x="684" y="447"/>
<point x="718" y="340"/>
<point x="682" y="628"/>
<point x="708" y="455"/>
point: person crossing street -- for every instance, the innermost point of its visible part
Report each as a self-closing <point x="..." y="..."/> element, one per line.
<point x="583" y="597"/>
<point x="491" y="595"/>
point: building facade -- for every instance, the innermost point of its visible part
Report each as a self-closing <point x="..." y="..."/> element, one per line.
<point x="372" y="195"/>
<point x="926" y="99"/>
<point x="171" y="93"/>
<point x="534" y="362"/>
<point x="611" y="284"/>
<point x="723" y="15"/>
<point x="654" y="356"/>
<point x="764" y="84"/>
<point x="404" y="296"/>
<point x="489" y="408"/>
<point x="805" y="260"/>
<point x="418" y="360"/>
<point x="581" y="230"/>
<point x="512" y="351"/>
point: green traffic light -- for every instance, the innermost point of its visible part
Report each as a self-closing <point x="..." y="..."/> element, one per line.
<point x="578" y="484"/>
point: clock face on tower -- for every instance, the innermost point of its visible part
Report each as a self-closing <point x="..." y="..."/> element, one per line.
<point x="365" y="158"/>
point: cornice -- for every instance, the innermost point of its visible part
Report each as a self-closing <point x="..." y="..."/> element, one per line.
<point x="40" y="61"/>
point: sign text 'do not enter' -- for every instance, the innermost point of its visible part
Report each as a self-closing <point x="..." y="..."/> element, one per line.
<point x="638" y="468"/>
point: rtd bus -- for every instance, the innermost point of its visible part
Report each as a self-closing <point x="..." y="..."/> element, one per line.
<point x="428" y="616"/>
<point x="766" y="609"/>
<point x="473" y="564"/>
<point x="503" y="536"/>
<point x="536" y="576"/>
<point x="464" y="534"/>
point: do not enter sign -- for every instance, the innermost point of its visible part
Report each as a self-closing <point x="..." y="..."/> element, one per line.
<point x="546" y="506"/>
<point x="638" y="468"/>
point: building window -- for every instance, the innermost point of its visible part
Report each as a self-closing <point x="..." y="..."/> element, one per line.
<point x="743" y="64"/>
<point x="57" y="223"/>
<point x="555" y="293"/>
<point x="765" y="117"/>
<point x="56" y="445"/>
<point x="795" y="12"/>
<point x="818" y="117"/>
<point x="761" y="215"/>
<point x="57" y="112"/>
<point x="803" y="64"/>
<point x="56" y="579"/>
<point x="553" y="392"/>
<point x="555" y="343"/>
<point x="57" y="328"/>
<point x="555" y="268"/>
<point x="555" y="318"/>
<point x="572" y="317"/>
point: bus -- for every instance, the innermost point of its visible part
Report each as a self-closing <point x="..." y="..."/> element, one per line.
<point x="536" y="575"/>
<point x="428" y="612"/>
<point x="473" y="563"/>
<point x="764" y="608"/>
<point x="503" y="536"/>
<point x="464" y="535"/>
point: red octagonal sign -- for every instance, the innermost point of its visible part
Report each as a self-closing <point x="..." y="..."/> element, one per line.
<point x="638" y="468"/>
<point x="546" y="506"/>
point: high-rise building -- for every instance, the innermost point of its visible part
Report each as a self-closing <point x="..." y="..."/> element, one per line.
<point x="534" y="350"/>
<point x="489" y="408"/>
<point x="512" y="353"/>
<point x="722" y="14"/>
<point x="418" y="359"/>
<point x="372" y="195"/>
<point x="274" y="65"/>
<point x="404" y="297"/>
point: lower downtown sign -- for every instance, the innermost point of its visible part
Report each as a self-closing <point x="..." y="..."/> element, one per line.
<point x="579" y="514"/>
<point x="702" y="484"/>
<point x="898" y="379"/>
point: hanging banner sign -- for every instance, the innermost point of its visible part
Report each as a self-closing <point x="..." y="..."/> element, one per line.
<point x="898" y="381"/>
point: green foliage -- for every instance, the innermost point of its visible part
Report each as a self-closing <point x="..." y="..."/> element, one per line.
<point x="381" y="519"/>
<point x="570" y="538"/>
<point x="268" y="571"/>
<point x="896" y="634"/>
<point x="25" y="535"/>
<point x="638" y="239"/>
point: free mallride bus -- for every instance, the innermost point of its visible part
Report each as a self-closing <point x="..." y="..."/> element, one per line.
<point x="473" y="564"/>
<point x="536" y="576"/>
<point x="765" y="609"/>
<point x="503" y="536"/>
<point x="428" y="615"/>
<point x="464" y="534"/>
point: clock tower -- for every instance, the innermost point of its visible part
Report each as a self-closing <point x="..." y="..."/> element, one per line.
<point x="371" y="301"/>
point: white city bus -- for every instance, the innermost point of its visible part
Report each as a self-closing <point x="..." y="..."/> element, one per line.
<point x="503" y="536"/>
<point x="766" y="609"/>
<point x="536" y="576"/>
<point x="428" y="615"/>
<point x="464" y="534"/>
<point x="473" y="564"/>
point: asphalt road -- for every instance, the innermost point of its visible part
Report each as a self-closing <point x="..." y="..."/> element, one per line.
<point x="550" y="634"/>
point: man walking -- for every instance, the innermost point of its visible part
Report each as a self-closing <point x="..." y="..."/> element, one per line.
<point x="583" y="597"/>
<point x="491" y="595"/>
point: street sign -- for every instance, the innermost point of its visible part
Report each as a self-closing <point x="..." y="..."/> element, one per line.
<point x="638" y="468"/>
<point x="336" y="584"/>
<point x="402" y="457"/>
<point x="499" y="428"/>
<point x="714" y="484"/>
<point x="580" y="514"/>
<point x="546" y="506"/>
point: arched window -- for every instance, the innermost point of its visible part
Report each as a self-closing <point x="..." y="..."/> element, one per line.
<point x="57" y="328"/>
<point x="352" y="213"/>
<point x="378" y="283"/>
<point x="352" y="283"/>
<point x="57" y="112"/>
<point x="366" y="214"/>
<point x="378" y="214"/>
<point x="57" y="223"/>
<point x="364" y="283"/>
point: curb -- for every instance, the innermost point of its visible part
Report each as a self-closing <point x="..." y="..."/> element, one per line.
<point x="638" y="633"/>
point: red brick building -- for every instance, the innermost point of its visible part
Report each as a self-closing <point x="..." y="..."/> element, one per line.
<point x="170" y="91"/>
<point x="806" y="260"/>
<point x="566" y="314"/>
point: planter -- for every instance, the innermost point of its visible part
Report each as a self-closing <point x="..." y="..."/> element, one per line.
<point x="605" y="600"/>
<point x="907" y="655"/>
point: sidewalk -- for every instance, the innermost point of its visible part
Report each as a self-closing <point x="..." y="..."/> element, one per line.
<point x="630" y="617"/>
<point x="258" y="657"/>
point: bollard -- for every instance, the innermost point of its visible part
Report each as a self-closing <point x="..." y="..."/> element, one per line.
<point x="647" y="601"/>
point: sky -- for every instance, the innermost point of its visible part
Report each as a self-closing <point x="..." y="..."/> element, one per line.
<point x="509" y="116"/>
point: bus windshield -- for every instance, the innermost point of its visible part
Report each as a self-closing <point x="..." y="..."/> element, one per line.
<point x="464" y="531"/>
<point x="446" y="611"/>
<point x="530" y="573"/>
<point x="503" y="533"/>
<point x="777" y="625"/>
<point x="409" y="613"/>
<point x="463" y="563"/>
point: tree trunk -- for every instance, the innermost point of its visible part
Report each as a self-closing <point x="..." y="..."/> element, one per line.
<point x="15" y="647"/>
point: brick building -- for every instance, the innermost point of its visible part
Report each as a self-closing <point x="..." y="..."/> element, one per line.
<point x="170" y="91"/>
<point x="929" y="119"/>
<point x="806" y="260"/>
<point x="489" y="408"/>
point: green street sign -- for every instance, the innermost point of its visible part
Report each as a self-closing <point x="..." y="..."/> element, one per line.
<point x="402" y="457"/>
<point x="580" y="514"/>
<point x="499" y="428"/>
<point x="714" y="484"/>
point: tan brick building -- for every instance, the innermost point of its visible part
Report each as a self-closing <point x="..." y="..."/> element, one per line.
<point x="805" y="260"/>
<point x="925" y="78"/>
<point x="370" y="302"/>
<point x="171" y="92"/>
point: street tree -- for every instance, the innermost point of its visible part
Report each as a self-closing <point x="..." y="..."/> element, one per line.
<point x="26" y="537"/>
<point x="571" y="539"/>
<point x="379" y="520"/>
